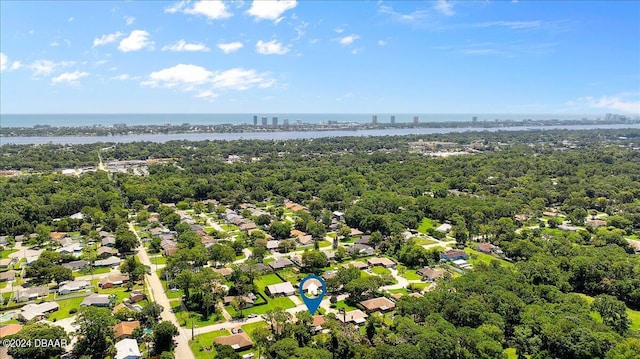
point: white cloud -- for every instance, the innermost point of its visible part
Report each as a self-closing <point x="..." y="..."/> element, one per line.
<point x="4" y="61"/>
<point x="444" y="7"/>
<point x="382" y="42"/>
<point x="54" y="44"/>
<point x="271" y="48"/>
<point x="270" y="10"/>
<point x="46" y="67"/>
<point x="69" y="77"/>
<point x="124" y="77"/>
<point x="348" y="40"/>
<point x="106" y="39"/>
<point x="212" y="9"/>
<point x="230" y="47"/>
<point x="205" y="83"/>
<point x="618" y="103"/>
<point x="129" y="20"/>
<point x="71" y="19"/>
<point x="207" y="95"/>
<point x="183" y="46"/>
<point x="400" y="17"/>
<point x="137" y="40"/>
<point x="15" y="66"/>
<point x="514" y="25"/>
<point x="338" y="30"/>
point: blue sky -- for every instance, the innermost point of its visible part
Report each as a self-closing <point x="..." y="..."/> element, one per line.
<point x="326" y="57"/>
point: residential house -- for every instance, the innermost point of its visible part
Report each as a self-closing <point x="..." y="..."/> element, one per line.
<point x="9" y="329"/>
<point x="357" y="264"/>
<point x="462" y="264"/>
<point x="37" y="311"/>
<point x="67" y="241"/>
<point x="360" y="250"/>
<point x="96" y="300"/>
<point x="239" y="342"/>
<point x="113" y="281"/>
<point x="127" y="349"/>
<point x="108" y="242"/>
<point x="3" y="240"/>
<point x="248" y="226"/>
<point x="366" y="239"/>
<point x="305" y="240"/>
<point x="258" y="267"/>
<point x="280" y="289"/>
<point x="7" y="262"/>
<point x="355" y="232"/>
<point x="72" y="286"/>
<point x="75" y="265"/>
<point x="106" y="252"/>
<point x="444" y="228"/>
<point x="281" y="263"/>
<point x="108" y="262"/>
<point x="57" y="236"/>
<point x="124" y="330"/>
<point x="135" y="296"/>
<point x="7" y="276"/>
<point x="294" y="206"/>
<point x="25" y="294"/>
<point x="454" y="254"/>
<point x="429" y="274"/>
<point x="380" y="304"/>
<point x="355" y="316"/>
<point x="273" y="245"/>
<point x="316" y="324"/>
<point x="488" y="248"/>
<point x="74" y="249"/>
<point x="382" y="262"/>
<point x="297" y="233"/>
<point x="249" y="300"/>
<point x="224" y="271"/>
<point x="596" y="223"/>
<point x="103" y="234"/>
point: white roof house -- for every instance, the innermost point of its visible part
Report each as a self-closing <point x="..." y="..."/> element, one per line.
<point x="127" y="349"/>
<point x="285" y="289"/>
<point x="444" y="228"/>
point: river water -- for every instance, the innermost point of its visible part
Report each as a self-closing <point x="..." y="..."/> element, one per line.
<point x="287" y="135"/>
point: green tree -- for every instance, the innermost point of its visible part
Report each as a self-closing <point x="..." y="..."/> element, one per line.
<point x="41" y="331"/>
<point x="95" y="332"/>
<point x="613" y="312"/>
<point x="163" y="334"/>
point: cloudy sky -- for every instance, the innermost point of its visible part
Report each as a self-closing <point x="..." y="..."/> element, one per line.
<point x="313" y="56"/>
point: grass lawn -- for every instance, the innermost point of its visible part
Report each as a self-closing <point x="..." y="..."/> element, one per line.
<point x="159" y="259"/>
<point x="272" y="303"/>
<point x="483" y="257"/>
<point x="86" y="271"/>
<point x="323" y="244"/>
<point x="266" y="280"/>
<point x="426" y="224"/>
<point x="289" y="276"/>
<point x="202" y="345"/>
<point x="65" y="306"/>
<point x="511" y="353"/>
<point x="401" y="290"/>
<point x="410" y="274"/>
<point x="120" y="292"/>
<point x="342" y="305"/>
<point x="380" y="270"/>
<point x="249" y="328"/>
<point x="268" y="260"/>
<point x="241" y="256"/>
<point x="424" y="241"/>
<point x="5" y="253"/>
<point x="3" y="284"/>
<point x="634" y="315"/>
<point x="419" y="286"/>
<point x="229" y="227"/>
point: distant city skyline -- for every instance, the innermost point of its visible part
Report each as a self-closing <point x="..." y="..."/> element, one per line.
<point x="378" y="58"/>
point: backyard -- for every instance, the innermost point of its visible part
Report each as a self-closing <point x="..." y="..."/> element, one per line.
<point x="202" y="345"/>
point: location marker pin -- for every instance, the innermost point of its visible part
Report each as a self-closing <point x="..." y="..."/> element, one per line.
<point x="312" y="293"/>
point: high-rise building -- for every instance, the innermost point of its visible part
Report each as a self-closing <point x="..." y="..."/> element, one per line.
<point x="264" y="121"/>
<point x="374" y="119"/>
<point x="274" y="121"/>
<point x="393" y="120"/>
<point x="415" y="120"/>
<point x="285" y="122"/>
<point x="255" y="120"/>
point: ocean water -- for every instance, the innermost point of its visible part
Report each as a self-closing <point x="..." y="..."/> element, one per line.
<point x="22" y="120"/>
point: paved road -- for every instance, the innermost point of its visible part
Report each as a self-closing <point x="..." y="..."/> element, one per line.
<point x="158" y="295"/>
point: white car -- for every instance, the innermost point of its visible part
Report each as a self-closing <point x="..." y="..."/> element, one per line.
<point x="252" y="316"/>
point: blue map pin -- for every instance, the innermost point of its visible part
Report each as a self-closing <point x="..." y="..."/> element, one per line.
<point x="314" y="293"/>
